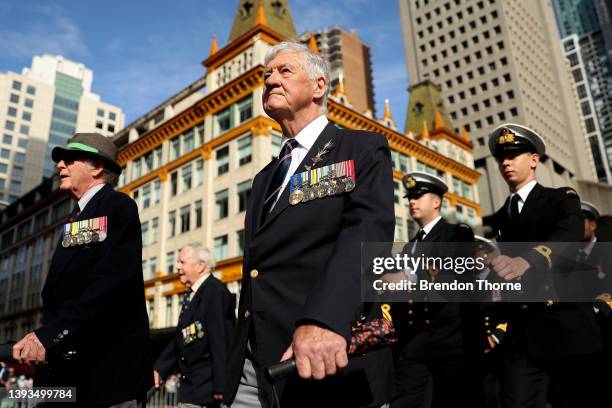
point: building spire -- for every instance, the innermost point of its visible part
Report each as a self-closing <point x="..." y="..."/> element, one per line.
<point x="425" y="133"/>
<point x="261" y="14"/>
<point x="213" y="47"/>
<point x="464" y="134"/>
<point x="387" y="114"/>
<point x="312" y="44"/>
<point x="272" y="14"/>
<point x="438" y="124"/>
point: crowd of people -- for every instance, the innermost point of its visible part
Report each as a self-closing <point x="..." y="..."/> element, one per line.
<point x="310" y="210"/>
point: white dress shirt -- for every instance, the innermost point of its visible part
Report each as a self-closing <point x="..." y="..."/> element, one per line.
<point x="306" y="138"/>
<point x="427" y="228"/>
<point x="523" y="193"/>
<point x="86" y="198"/>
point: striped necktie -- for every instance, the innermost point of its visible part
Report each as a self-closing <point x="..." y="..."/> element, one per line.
<point x="282" y="167"/>
<point x="75" y="213"/>
<point x="185" y="299"/>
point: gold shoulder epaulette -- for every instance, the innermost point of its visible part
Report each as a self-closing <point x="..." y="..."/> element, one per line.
<point x="545" y="252"/>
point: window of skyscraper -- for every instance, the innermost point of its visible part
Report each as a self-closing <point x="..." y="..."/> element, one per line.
<point x="14" y="98"/>
<point x="17" y="85"/>
<point x="20" y="158"/>
<point x="27" y="116"/>
<point x="15" y="186"/>
<point x="112" y="115"/>
<point x="171" y="223"/>
<point x="7" y="139"/>
<point x="31" y="90"/>
<point x="8" y="125"/>
<point x="5" y="153"/>
<point x="100" y="112"/>
<point x="12" y="111"/>
<point x="29" y="103"/>
<point x="24" y="130"/>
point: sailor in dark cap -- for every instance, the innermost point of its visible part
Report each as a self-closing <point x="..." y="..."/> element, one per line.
<point x="95" y="330"/>
<point x="544" y="341"/>
<point x="434" y="342"/>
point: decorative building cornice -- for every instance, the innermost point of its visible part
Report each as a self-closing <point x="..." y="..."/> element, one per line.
<point x="216" y="101"/>
<point x="352" y="120"/>
<point x="204" y="151"/>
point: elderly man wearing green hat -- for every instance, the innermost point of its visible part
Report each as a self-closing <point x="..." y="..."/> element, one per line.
<point x="95" y="330"/>
<point x="546" y="342"/>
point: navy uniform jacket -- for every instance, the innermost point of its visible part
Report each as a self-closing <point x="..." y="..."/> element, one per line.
<point x="302" y="264"/>
<point x="201" y="361"/>
<point x="436" y="329"/>
<point x="547" y="329"/>
<point x="93" y="304"/>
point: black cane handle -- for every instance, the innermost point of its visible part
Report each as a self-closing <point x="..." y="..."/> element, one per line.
<point x="281" y="370"/>
<point x="6" y="352"/>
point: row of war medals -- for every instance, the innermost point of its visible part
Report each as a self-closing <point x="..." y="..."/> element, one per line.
<point x="85" y="235"/>
<point x="330" y="184"/>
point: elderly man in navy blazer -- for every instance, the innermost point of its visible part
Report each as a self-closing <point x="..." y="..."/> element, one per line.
<point x="329" y="191"/>
<point x="95" y="331"/>
<point x="199" y="349"/>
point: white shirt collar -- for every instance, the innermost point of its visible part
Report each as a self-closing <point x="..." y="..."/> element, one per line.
<point x="307" y="136"/>
<point x="86" y="198"/>
<point x="589" y="247"/>
<point x="524" y="191"/>
<point x="196" y="285"/>
<point x="427" y="228"/>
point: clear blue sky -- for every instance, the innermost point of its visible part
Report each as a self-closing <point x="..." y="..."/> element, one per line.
<point x="142" y="52"/>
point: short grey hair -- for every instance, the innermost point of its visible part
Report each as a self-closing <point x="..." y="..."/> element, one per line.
<point x="314" y="64"/>
<point x="108" y="175"/>
<point x="202" y="253"/>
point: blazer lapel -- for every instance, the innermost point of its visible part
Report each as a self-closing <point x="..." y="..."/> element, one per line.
<point x="260" y="187"/>
<point x="328" y="133"/>
<point x="435" y="231"/>
<point x="188" y="316"/>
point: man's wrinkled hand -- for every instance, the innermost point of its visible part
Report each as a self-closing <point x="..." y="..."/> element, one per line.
<point x="29" y="350"/>
<point x="318" y="352"/>
<point x="157" y="380"/>
<point x="509" y="268"/>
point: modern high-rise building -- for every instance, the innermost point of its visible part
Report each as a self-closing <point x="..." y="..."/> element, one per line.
<point x="573" y="52"/>
<point x="189" y="164"/>
<point x="584" y="26"/>
<point x="496" y="62"/>
<point x="41" y="108"/>
<point x="350" y="61"/>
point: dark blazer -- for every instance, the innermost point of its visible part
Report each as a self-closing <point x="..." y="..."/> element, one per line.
<point x="302" y="264"/>
<point x="435" y="329"/>
<point x="201" y="361"/>
<point x="553" y="328"/>
<point x="93" y="304"/>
